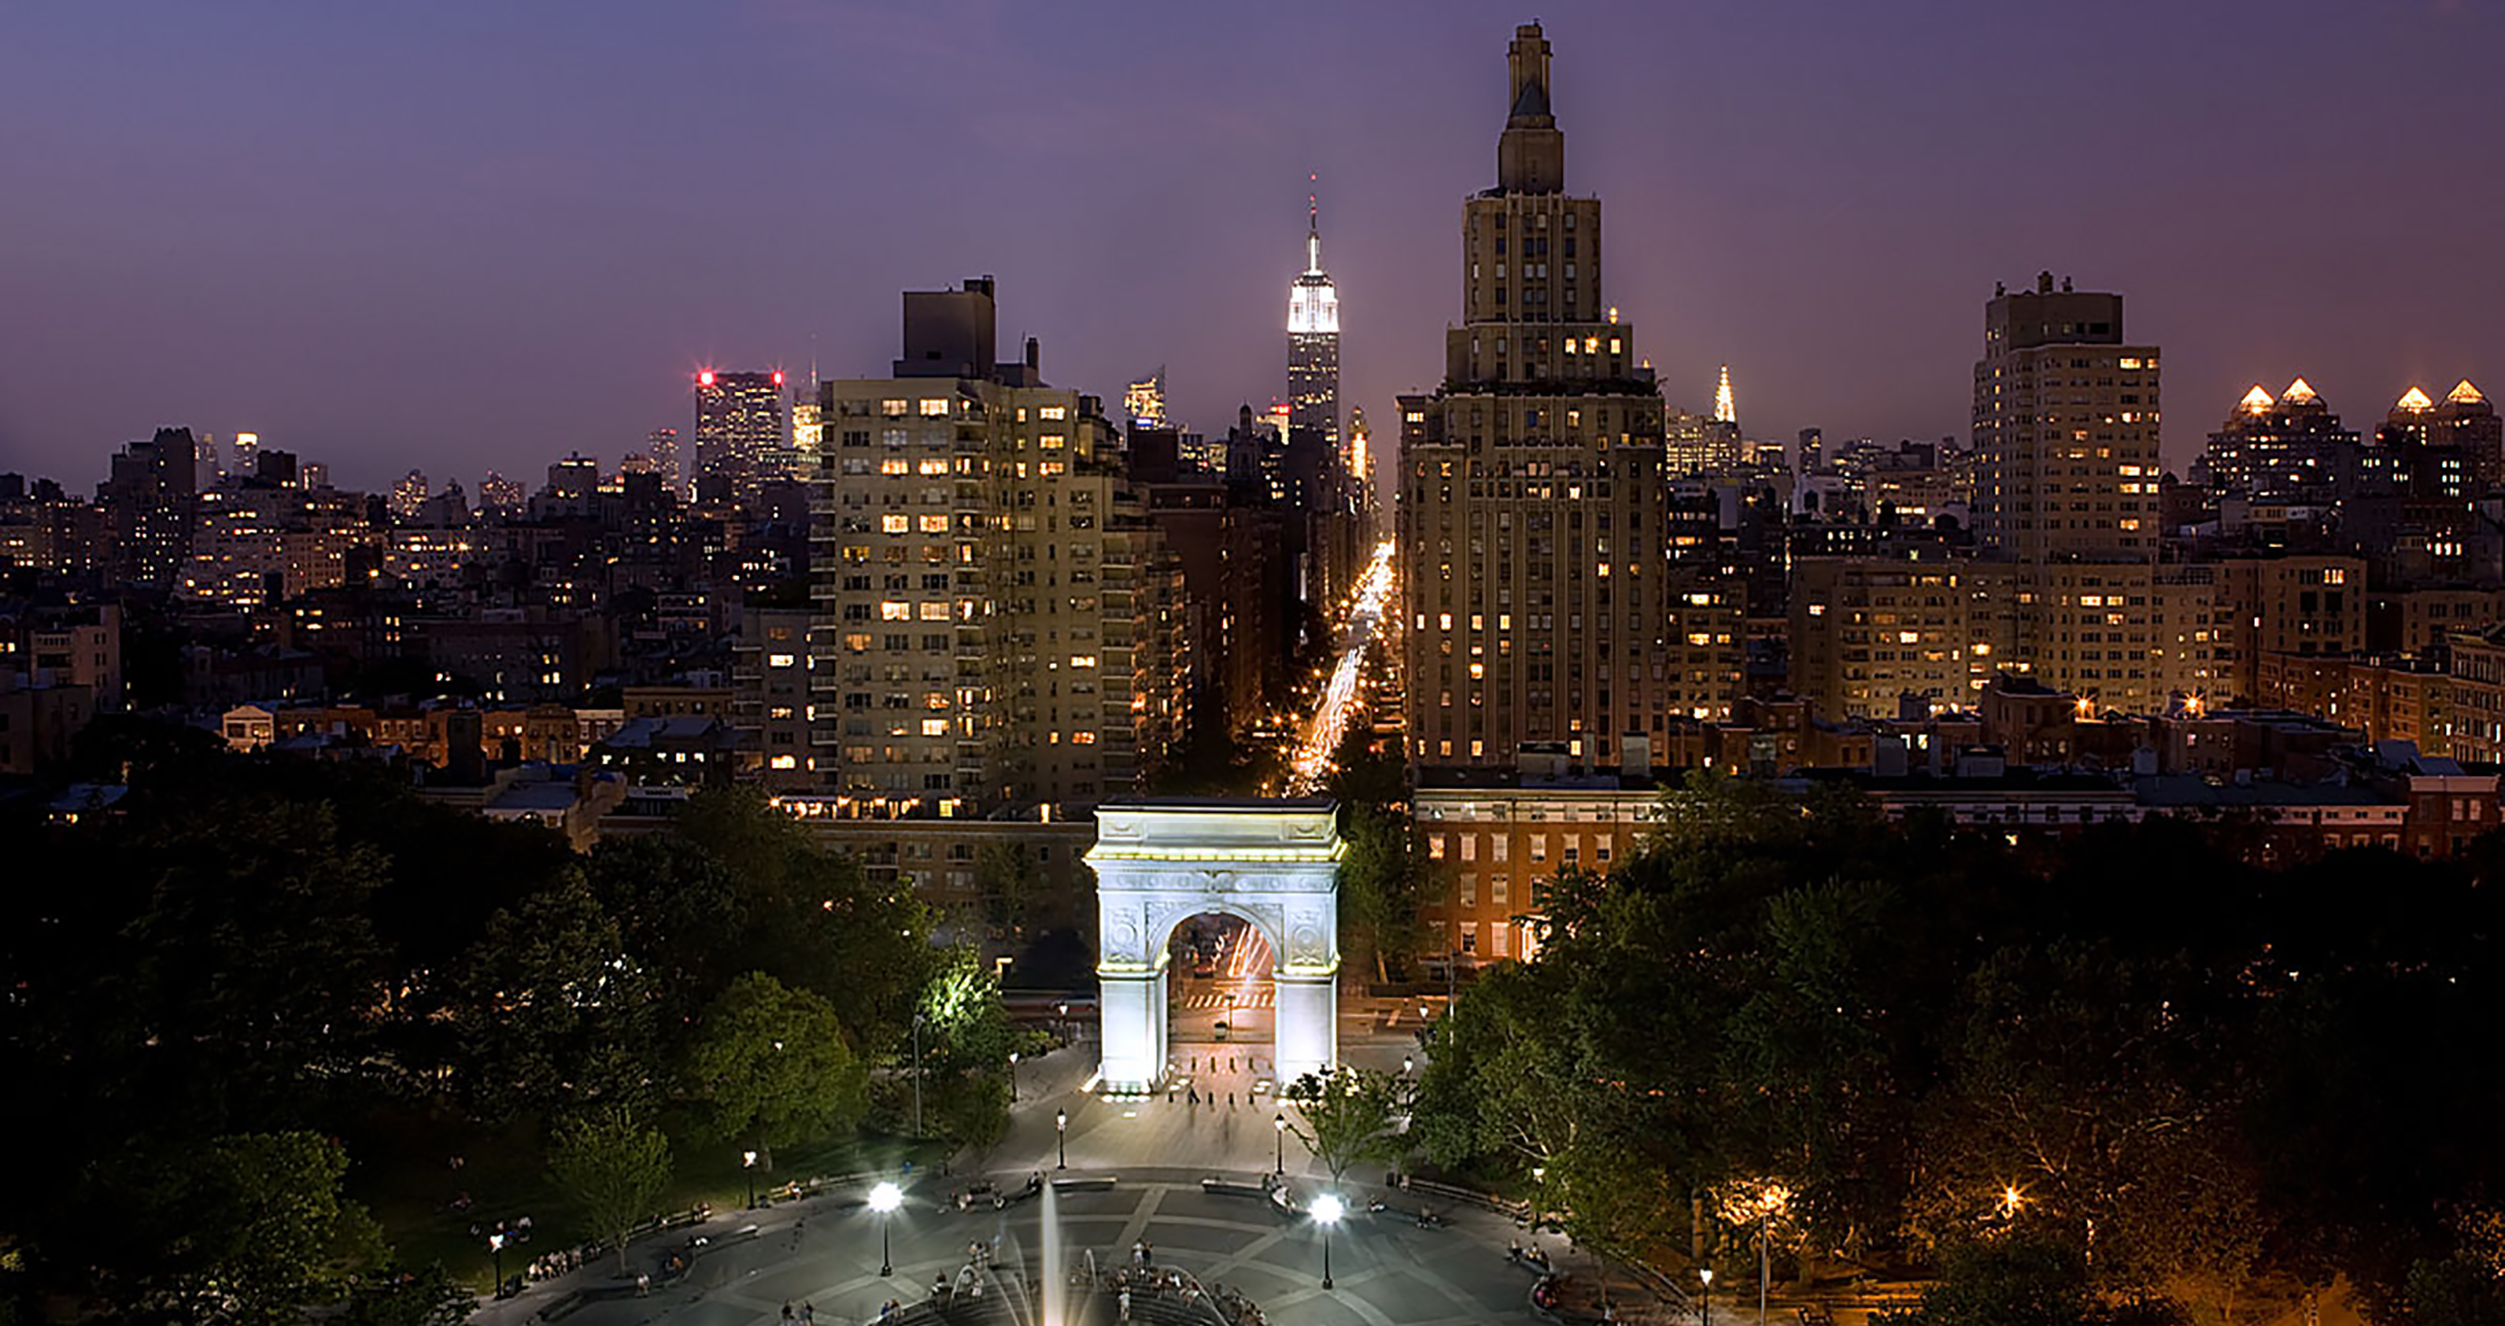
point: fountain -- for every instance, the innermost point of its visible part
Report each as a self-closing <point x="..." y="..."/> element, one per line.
<point x="1056" y="1277"/>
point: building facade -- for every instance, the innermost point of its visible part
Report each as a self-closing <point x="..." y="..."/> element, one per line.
<point x="742" y="440"/>
<point x="2065" y="429"/>
<point x="1312" y="344"/>
<point x="1533" y="512"/>
<point x="996" y="622"/>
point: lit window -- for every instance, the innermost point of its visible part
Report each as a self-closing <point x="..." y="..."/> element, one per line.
<point x="935" y="407"/>
<point x="779" y="660"/>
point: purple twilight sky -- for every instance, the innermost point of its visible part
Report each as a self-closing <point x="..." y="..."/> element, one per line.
<point x="474" y="235"/>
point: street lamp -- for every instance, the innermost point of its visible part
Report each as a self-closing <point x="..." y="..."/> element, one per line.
<point x="1061" y="1139"/>
<point x="748" y="1163"/>
<point x="1013" y="1077"/>
<point x="918" y="1020"/>
<point x="1408" y="1065"/>
<point x="495" y="1244"/>
<point x="1706" y="1274"/>
<point x="1326" y="1212"/>
<point x="1064" y="1007"/>
<point x="1280" y="1122"/>
<point x="884" y="1199"/>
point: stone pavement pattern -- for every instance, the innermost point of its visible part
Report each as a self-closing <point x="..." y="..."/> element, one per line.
<point x="1386" y="1270"/>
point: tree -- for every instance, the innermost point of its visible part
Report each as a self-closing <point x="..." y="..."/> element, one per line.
<point x="1351" y="1116"/>
<point x="613" y="1169"/>
<point x="2016" y="1283"/>
<point x="248" y="1228"/>
<point x="770" y="1066"/>
<point x="1378" y="881"/>
<point x="550" y="1008"/>
<point x="1010" y="882"/>
<point x="425" y="1297"/>
<point x="808" y="917"/>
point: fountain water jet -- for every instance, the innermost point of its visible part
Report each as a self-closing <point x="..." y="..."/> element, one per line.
<point x="1056" y="1276"/>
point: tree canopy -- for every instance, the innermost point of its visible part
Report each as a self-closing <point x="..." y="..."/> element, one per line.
<point x="2197" y="1080"/>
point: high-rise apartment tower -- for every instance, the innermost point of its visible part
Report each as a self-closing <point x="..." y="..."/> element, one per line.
<point x="2065" y="429"/>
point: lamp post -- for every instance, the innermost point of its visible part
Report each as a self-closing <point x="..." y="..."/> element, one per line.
<point x="1061" y="1139"/>
<point x="1765" y="1258"/>
<point x="1013" y="1077"/>
<point x="918" y="1020"/>
<point x="1326" y="1213"/>
<point x="495" y="1244"/>
<point x="1706" y="1274"/>
<point x="1064" y="1007"/>
<point x="884" y="1199"/>
<point x="1280" y="1122"/>
<point x="1408" y="1065"/>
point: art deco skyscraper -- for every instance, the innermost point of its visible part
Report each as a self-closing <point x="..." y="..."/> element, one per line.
<point x="1533" y="507"/>
<point x="1313" y="340"/>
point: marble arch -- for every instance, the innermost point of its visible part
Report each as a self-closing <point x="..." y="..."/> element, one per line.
<point x="1273" y="863"/>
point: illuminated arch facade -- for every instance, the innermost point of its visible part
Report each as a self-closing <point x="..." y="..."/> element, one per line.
<point x="1274" y="864"/>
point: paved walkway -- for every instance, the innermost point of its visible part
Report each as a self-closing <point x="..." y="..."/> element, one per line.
<point x="825" y="1253"/>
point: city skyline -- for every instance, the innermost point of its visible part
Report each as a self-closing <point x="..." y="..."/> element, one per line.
<point x="299" y="244"/>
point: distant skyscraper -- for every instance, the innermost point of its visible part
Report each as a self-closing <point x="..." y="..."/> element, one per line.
<point x="148" y="503"/>
<point x="1724" y="411"/>
<point x="1145" y="401"/>
<point x="742" y="442"/>
<point x="2065" y="429"/>
<point x="1313" y="340"/>
<point x="577" y="475"/>
<point x="313" y="474"/>
<point x="2452" y="450"/>
<point x="2284" y="448"/>
<point x="408" y="497"/>
<point x="1545" y="618"/>
<point x="662" y="445"/>
<point x="498" y="493"/>
<point x="247" y="453"/>
<point x="808" y="430"/>
<point x="206" y="468"/>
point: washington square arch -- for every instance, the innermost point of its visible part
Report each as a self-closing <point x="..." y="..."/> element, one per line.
<point x="1274" y="864"/>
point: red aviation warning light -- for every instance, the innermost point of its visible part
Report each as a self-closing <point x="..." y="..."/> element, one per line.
<point x="778" y="377"/>
<point x="705" y="378"/>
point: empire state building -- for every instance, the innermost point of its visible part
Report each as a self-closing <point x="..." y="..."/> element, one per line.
<point x="1313" y="341"/>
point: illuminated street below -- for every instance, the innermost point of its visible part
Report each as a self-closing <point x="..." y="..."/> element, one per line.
<point x="1330" y="719"/>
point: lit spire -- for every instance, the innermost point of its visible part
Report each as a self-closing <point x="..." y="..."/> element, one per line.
<point x="2464" y="394"/>
<point x="1723" y="411"/>
<point x="2299" y="392"/>
<point x="2414" y="401"/>
<point x="1313" y="228"/>
<point x="2259" y="400"/>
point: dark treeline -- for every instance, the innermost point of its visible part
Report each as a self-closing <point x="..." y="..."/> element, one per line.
<point x="2124" y="1077"/>
<point x="247" y="959"/>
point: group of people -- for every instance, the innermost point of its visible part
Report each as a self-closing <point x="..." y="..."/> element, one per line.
<point x="548" y="1266"/>
<point x="1533" y="1255"/>
<point x="808" y="1313"/>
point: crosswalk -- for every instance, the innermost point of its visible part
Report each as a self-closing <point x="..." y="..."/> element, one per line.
<point x="1258" y="996"/>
